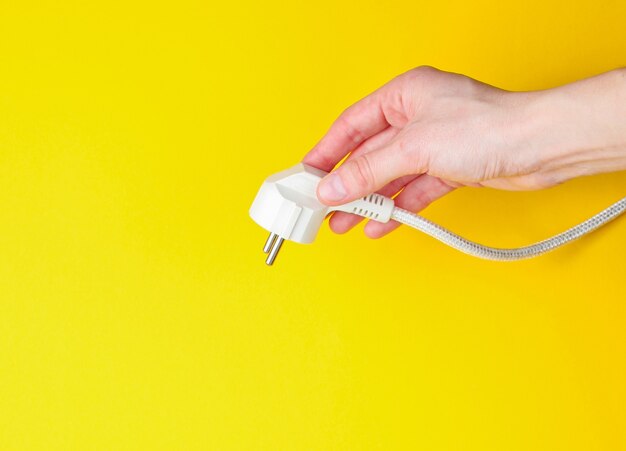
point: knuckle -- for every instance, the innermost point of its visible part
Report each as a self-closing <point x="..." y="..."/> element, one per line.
<point x="424" y="72"/>
<point x="352" y="133"/>
<point x="421" y="201"/>
<point x="363" y="174"/>
<point x="327" y="162"/>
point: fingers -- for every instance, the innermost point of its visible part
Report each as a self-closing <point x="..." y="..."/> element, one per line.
<point x="416" y="196"/>
<point x="360" y="121"/>
<point x="369" y="172"/>
<point x="341" y="222"/>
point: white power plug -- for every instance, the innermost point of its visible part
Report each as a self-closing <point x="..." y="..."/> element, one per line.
<point x="287" y="206"/>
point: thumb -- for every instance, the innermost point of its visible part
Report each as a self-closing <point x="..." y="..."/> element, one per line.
<point x="365" y="174"/>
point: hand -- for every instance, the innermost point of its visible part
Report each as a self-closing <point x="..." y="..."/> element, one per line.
<point x="427" y="132"/>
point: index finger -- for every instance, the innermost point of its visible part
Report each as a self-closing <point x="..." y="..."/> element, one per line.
<point x="357" y="123"/>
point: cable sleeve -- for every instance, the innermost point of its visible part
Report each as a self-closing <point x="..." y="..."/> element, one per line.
<point x="492" y="253"/>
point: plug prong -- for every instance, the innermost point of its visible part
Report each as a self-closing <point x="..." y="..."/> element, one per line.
<point x="269" y="243"/>
<point x="274" y="251"/>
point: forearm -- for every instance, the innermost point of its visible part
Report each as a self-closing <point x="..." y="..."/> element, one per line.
<point x="580" y="128"/>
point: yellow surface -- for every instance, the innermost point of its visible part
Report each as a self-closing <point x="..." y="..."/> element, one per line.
<point x="136" y="311"/>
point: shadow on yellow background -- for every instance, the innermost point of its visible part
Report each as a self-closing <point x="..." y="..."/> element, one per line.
<point x="135" y="308"/>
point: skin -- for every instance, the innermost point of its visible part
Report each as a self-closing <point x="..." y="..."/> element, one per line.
<point x="428" y="132"/>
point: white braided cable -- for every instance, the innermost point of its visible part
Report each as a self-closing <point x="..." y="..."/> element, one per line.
<point x="491" y="253"/>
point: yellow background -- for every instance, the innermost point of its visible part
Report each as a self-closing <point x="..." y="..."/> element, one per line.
<point x="135" y="308"/>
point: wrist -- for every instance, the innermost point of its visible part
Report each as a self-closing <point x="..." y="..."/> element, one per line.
<point x="579" y="129"/>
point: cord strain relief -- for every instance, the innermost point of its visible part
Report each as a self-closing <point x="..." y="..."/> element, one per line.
<point x="373" y="206"/>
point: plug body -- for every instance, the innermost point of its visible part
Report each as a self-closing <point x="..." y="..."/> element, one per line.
<point x="287" y="206"/>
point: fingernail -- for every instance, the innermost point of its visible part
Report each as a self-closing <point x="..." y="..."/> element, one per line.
<point x="332" y="188"/>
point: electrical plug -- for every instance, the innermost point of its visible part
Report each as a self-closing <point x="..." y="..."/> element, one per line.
<point x="287" y="206"/>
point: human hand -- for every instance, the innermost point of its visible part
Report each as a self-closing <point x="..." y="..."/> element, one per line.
<point x="427" y="132"/>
